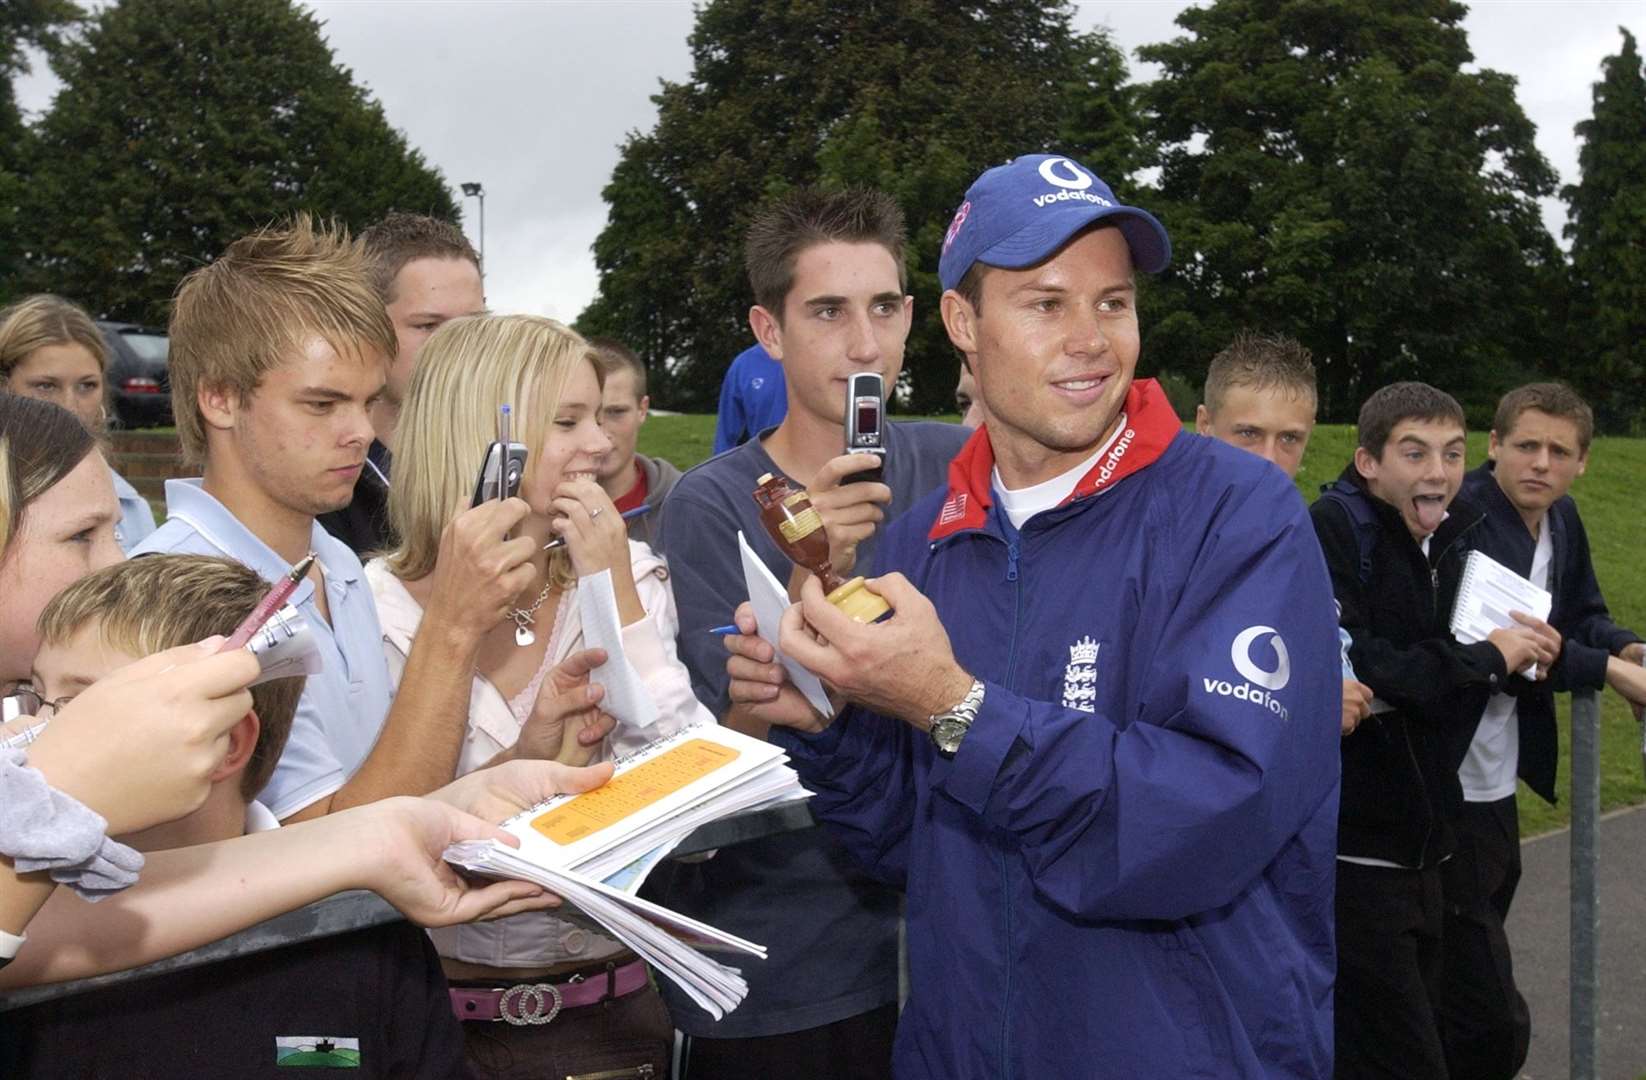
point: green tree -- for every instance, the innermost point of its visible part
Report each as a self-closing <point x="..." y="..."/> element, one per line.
<point x="24" y="24"/>
<point x="1329" y="170"/>
<point x="914" y="98"/>
<point x="183" y="124"/>
<point x="1606" y="340"/>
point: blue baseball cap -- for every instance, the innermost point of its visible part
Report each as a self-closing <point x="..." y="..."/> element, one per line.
<point x="1020" y="213"/>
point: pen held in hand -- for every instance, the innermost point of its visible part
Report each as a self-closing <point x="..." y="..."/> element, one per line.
<point x="272" y="601"/>
<point x="628" y="515"/>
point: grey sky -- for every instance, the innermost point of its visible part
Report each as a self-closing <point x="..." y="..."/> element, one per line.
<point x="533" y="99"/>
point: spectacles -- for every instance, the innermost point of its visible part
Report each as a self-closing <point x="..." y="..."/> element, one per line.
<point x="21" y="704"/>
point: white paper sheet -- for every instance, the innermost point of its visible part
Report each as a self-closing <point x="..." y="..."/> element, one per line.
<point x="626" y="698"/>
<point x="770" y="599"/>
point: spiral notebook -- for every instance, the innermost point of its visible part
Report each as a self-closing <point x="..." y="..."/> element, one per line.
<point x="1489" y="592"/>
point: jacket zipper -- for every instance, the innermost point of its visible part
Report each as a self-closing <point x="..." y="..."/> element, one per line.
<point x="633" y="1072"/>
<point x="1009" y="680"/>
<point x="1411" y="752"/>
<point x="1406" y="728"/>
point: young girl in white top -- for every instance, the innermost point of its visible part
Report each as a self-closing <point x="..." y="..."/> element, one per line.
<point x="545" y="373"/>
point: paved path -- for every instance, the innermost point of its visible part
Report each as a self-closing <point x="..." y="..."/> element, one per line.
<point x="1539" y="933"/>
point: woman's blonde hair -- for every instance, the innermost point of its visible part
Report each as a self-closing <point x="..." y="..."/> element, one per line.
<point x="38" y="321"/>
<point x="465" y="371"/>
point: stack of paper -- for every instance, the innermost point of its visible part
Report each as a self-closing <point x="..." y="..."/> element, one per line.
<point x="595" y="849"/>
<point x="1490" y="591"/>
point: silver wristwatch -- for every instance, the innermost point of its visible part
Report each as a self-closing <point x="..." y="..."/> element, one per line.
<point x="950" y="726"/>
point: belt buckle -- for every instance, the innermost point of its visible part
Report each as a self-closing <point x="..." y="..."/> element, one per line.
<point x="529" y="1000"/>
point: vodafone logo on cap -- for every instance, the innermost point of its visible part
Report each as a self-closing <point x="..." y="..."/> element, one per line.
<point x="1076" y="180"/>
<point x="1072" y="182"/>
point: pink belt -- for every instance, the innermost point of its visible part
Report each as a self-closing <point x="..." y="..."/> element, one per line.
<point x="538" y="1003"/>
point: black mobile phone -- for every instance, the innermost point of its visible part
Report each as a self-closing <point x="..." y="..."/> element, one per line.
<point x="866" y="422"/>
<point x="504" y="465"/>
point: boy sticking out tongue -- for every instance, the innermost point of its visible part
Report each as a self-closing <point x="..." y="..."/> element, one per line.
<point x="1395" y="540"/>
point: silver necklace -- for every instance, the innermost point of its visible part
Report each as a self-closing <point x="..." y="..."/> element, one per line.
<point x="523" y="618"/>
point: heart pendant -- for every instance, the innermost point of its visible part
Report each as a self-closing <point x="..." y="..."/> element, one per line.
<point x="523" y="636"/>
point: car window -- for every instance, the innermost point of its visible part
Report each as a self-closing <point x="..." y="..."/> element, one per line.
<point x="147" y="346"/>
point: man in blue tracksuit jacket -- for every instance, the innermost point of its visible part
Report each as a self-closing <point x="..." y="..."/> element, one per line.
<point x="1097" y="739"/>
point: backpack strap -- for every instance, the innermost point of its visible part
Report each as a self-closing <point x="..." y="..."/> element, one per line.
<point x="1364" y="518"/>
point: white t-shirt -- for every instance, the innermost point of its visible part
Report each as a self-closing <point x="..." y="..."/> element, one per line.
<point x="1488" y="770"/>
<point x="1024" y="503"/>
<point x="259" y="819"/>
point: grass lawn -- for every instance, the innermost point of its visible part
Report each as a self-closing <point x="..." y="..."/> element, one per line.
<point x="1608" y="497"/>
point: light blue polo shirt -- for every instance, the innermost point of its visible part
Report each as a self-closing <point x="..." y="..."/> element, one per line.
<point x="136" y="519"/>
<point x="345" y="704"/>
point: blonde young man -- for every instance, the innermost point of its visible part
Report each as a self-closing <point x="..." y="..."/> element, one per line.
<point x="237" y="1017"/>
<point x="1260" y="396"/>
<point x="631" y="479"/>
<point x="279" y="349"/>
<point x="427" y="275"/>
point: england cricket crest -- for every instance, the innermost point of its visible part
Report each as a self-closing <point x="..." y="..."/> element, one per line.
<point x="1080" y="677"/>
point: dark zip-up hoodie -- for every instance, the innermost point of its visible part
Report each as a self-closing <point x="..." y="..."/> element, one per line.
<point x="1400" y="784"/>
<point x="1589" y="636"/>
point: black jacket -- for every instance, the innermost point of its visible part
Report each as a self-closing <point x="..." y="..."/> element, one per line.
<point x="1589" y="636"/>
<point x="364" y="524"/>
<point x="1400" y="784"/>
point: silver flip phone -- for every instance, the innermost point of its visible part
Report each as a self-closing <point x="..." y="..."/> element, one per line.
<point x="866" y="422"/>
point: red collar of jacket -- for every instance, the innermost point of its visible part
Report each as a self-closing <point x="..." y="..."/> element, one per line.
<point x="1151" y="425"/>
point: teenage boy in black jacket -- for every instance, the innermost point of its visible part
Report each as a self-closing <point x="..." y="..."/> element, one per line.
<point x="1396" y="556"/>
<point x="1539" y="446"/>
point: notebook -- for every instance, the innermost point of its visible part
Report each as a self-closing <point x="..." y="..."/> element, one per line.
<point x="1488" y="593"/>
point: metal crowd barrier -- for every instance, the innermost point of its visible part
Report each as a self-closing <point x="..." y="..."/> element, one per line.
<point x="358" y="910"/>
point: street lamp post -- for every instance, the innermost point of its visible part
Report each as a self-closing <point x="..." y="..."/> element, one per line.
<point x="474" y="189"/>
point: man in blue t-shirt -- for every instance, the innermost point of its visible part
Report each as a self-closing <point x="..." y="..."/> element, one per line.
<point x="830" y="288"/>
<point x="752" y="398"/>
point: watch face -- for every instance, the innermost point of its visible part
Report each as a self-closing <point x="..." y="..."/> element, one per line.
<point x="946" y="734"/>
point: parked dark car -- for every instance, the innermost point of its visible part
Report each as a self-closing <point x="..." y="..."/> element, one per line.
<point x="139" y="391"/>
